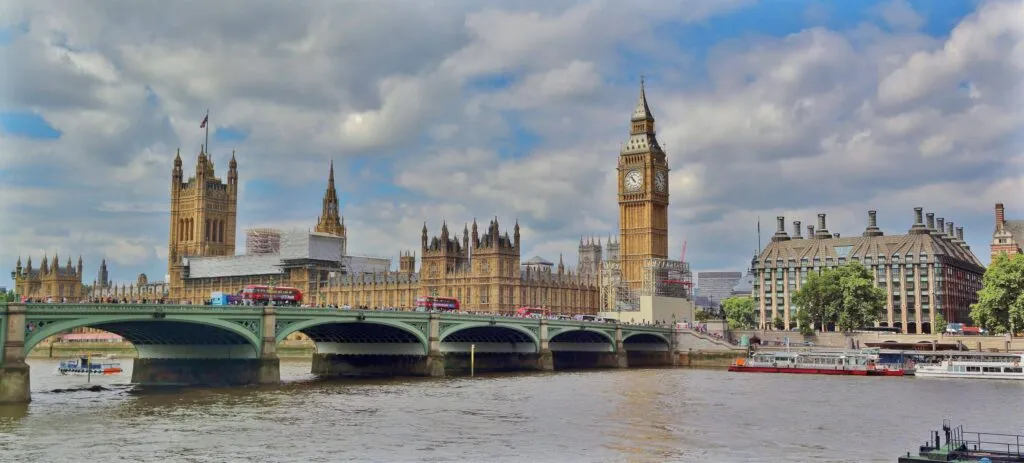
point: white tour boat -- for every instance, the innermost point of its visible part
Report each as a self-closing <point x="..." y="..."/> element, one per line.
<point x="987" y="365"/>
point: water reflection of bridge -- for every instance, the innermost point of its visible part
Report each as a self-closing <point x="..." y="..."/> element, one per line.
<point x="235" y="345"/>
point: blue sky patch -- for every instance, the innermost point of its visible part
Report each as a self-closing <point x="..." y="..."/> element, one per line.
<point x="28" y="125"/>
<point x="228" y="134"/>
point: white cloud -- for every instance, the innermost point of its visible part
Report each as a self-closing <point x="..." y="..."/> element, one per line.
<point x="819" y="120"/>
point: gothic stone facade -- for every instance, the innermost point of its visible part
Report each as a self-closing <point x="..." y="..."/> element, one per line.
<point x="483" y="273"/>
<point x="49" y="281"/>
<point x="929" y="270"/>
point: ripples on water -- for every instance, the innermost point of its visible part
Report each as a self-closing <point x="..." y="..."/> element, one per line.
<point x="627" y="415"/>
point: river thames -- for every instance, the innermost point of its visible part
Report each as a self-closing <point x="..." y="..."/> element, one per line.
<point x="611" y="415"/>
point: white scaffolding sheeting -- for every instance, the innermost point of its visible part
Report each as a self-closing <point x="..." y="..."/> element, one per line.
<point x="358" y="265"/>
<point x="262" y="241"/>
<point x="293" y="245"/>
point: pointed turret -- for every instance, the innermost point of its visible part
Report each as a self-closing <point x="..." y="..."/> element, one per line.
<point x="423" y="237"/>
<point x="28" y="264"/>
<point x="561" y="264"/>
<point x="330" y="217"/>
<point x="233" y="173"/>
<point x="642" y="112"/>
<point x="45" y="266"/>
<point x="516" y="234"/>
<point x="476" y="234"/>
<point x="79" y="268"/>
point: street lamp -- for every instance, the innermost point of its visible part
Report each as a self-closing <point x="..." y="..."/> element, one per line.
<point x="270" y="293"/>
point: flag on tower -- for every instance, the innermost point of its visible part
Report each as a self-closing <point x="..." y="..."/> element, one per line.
<point x="203" y="124"/>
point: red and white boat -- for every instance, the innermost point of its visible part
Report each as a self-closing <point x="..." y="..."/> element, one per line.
<point x="857" y="363"/>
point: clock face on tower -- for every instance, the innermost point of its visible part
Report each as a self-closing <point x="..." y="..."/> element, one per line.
<point x="633" y="180"/>
<point x="660" y="181"/>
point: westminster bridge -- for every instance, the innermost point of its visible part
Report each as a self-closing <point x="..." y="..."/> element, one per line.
<point x="236" y="345"/>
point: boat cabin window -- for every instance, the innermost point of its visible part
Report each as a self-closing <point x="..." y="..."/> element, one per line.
<point x="974" y="369"/>
<point x="1013" y="370"/>
<point x="991" y="369"/>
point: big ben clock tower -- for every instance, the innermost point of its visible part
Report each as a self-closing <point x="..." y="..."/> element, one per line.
<point x="643" y="196"/>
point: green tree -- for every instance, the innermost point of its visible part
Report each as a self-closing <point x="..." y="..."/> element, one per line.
<point x="845" y="296"/>
<point x="739" y="312"/>
<point x="9" y="296"/>
<point x="778" y="323"/>
<point x="804" y="323"/>
<point x="1000" y="305"/>
<point x="940" y="324"/>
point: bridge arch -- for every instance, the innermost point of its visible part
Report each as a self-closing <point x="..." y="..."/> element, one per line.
<point x="490" y="336"/>
<point x="334" y="336"/>
<point x="582" y="340"/>
<point x="172" y="336"/>
<point x="646" y="341"/>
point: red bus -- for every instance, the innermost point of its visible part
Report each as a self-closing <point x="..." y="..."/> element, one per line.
<point x="262" y="294"/>
<point x="527" y="312"/>
<point x="439" y="304"/>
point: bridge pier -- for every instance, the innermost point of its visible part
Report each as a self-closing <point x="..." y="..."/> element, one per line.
<point x="15" y="384"/>
<point x="223" y="370"/>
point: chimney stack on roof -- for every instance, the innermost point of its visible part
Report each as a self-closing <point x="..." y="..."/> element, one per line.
<point x="950" y="233"/>
<point x="822" y="232"/>
<point x="872" y="229"/>
<point x="940" y="227"/>
<point x="796" y="230"/>
<point x="931" y="220"/>
<point x="918" y="228"/>
<point x="960" y="234"/>
<point x="810" y="232"/>
<point x="780" y="229"/>
<point x="1000" y="217"/>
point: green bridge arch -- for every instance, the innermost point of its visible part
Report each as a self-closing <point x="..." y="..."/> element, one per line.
<point x="554" y="332"/>
<point x="303" y="324"/>
<point x="36" y="336"/>
<point x="449" y="330"/>
<point x="652" y="333"/>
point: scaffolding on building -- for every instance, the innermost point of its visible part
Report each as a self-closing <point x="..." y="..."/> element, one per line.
<point x="667" y="278"/>
<point x="616" y="296"/>
<point x="262" y="241"/>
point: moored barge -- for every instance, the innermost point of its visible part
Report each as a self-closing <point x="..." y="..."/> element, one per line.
<point x="855" y="363"/>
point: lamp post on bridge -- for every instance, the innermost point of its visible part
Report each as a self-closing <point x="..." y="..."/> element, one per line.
<point x="270" y="293"/>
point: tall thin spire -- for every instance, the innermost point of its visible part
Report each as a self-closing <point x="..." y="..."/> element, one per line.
<point x="330" y="217"/>
<point x="642" y="111"/>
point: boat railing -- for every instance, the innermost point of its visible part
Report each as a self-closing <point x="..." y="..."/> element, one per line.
<point x="981" y="444"/>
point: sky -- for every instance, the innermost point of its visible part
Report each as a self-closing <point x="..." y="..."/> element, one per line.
<point x="455" y="110"/>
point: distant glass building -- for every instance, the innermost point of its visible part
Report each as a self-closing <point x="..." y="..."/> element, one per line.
<point x="715" y="287"/>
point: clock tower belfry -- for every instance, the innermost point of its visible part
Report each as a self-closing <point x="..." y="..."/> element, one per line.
<point x="643" y="196"/>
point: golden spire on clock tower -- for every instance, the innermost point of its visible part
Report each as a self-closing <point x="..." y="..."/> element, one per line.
<point x="643" y="195"/>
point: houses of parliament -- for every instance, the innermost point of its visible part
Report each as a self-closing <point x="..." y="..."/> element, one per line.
<point x="482" y="266"/>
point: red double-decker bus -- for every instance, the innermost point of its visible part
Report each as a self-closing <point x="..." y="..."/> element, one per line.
<point x="262" y="294"/>
<point x="437" y="304"/>
<point x="533" y="312"/>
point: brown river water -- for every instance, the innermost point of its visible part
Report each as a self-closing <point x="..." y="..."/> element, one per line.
<point x="593" y="416"/>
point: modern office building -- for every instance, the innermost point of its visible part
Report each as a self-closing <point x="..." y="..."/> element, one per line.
<point x="715" y="287"/>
